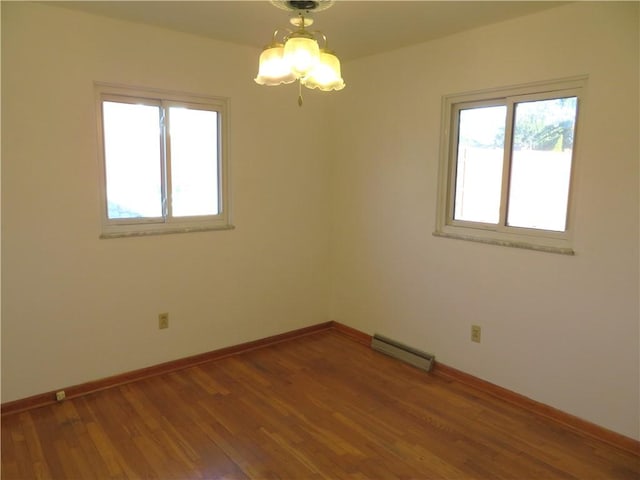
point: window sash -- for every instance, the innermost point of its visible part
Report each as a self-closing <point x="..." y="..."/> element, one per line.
<point x="167" y="223"/>
<point x="501" y="233"/>
<point x="454" y="164"/>
<point x="510" y="103"/>
<point x="169" y="164"/>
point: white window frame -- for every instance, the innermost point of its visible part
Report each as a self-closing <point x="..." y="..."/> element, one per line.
<point x="125" y="227"/>
<point x="502" y="234"/>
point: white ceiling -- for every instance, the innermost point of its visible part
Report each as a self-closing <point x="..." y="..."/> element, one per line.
<point x="355" y="28"/>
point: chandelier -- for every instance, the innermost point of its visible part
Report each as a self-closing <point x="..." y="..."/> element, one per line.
<point x="297" y="55"/>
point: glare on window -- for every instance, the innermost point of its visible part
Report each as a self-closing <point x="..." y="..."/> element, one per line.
<point x="480" y="154"/>
<point x="132" y="160"/>
<point x="194" y="162"/>
<point x="541" y="163"/>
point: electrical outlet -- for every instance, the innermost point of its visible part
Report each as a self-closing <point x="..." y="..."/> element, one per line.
<point x="476" y="332"/>
<point x="163" y="320"/>
<point x="60" y="396"/>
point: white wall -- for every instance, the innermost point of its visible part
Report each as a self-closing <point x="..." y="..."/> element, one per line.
<point x="76" y="308"/>
<point x="562" y="330"/>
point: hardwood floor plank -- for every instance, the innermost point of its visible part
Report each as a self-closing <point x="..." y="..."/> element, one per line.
<point x="319" y="407"/>
<point x="9" y="461"/>
<point x="32" y="441"/>
<point x="116" y="418"/>
<point x="49" y="432"/>
<point x="116" y="466"/>
<point x="18" y="448"/>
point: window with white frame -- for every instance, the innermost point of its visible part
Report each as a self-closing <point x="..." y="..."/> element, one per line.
<point x="506" y="161"/>
<point x="163" y="161"/>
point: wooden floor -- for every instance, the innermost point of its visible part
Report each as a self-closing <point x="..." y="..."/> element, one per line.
<point x="320" y="406"/>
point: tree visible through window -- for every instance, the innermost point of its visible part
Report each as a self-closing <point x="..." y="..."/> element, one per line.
<point x="541" y="163"/>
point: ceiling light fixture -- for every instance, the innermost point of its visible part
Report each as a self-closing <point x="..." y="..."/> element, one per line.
<point x="297" y="55"/>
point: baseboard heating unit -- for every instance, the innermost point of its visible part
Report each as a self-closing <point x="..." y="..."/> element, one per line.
<point x="402" y="352"/>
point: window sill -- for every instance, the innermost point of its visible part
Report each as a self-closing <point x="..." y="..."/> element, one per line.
<point x="507" y="243"/>
<point x="165" y="231"/>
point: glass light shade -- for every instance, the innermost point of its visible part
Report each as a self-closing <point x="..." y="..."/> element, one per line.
<point x="273" y="70"/>
<point x="301" y="54"/>
<point x="326" y="75"/>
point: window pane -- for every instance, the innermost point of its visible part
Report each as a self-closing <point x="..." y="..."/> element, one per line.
<point x="479" y="164"/>
<point x="541" y="163"/>
<point x="132" y="158"/>
<point x="194" y="161"/>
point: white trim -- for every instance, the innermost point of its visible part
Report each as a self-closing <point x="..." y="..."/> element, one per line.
<point x="502" y="234"/>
